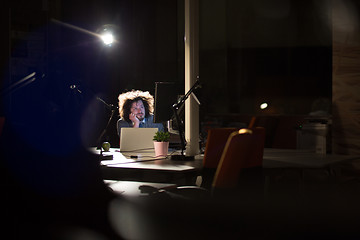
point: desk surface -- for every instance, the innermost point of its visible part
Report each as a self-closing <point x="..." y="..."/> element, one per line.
<point x="273" y="158"/>
<point x="294" y="158"/>
<point x="146" y="167"/>
<point x="146" y="160"/>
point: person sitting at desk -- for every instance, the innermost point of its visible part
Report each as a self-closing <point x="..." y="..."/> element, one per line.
<point x="136" y="108"/>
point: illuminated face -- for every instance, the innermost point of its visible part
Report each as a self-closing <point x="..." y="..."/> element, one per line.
<point x="138" y="109"/>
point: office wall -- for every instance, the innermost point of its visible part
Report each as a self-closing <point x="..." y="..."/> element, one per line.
<point x="255" y="51"/>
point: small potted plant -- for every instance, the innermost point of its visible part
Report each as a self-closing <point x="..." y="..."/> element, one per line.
<point x="161" y="143"/>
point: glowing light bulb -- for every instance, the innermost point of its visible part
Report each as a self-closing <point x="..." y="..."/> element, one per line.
<point x="107" y="38"/>
<point x="263" y="105"/>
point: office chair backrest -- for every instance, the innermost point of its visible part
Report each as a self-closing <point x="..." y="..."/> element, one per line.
<point x="243" y="149"/>
<point x="258" y="136"/>
<point x="215" y="144"/>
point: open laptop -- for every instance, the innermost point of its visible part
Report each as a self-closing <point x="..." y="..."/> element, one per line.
<point x="137" y="139"/>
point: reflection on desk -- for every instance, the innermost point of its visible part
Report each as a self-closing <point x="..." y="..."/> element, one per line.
<point x="132" y="188"/>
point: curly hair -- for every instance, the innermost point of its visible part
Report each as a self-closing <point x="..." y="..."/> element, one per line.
<point x="128" y="98"/>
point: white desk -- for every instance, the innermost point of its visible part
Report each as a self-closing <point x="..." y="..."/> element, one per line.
<point x="147" y="167"/>
<point x="143" y="160"/>
<point x="293" y="158"/>
<point x="301" y="170"/>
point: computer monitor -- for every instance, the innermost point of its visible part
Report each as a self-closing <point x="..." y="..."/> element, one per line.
<point x="166" y="94"/>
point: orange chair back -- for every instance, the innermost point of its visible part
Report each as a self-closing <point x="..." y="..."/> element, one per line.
<point x="243" y="149"/>
<point x="215" y="144"/>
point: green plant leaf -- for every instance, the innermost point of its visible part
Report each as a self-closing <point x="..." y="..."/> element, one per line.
<point x="161" y="136"/>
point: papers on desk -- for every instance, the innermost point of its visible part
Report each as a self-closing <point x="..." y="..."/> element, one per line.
<point x="126" y="158"/>
<point x="117" y="159"/>
<point x="154" y="165"/>
<point x="143" y="160"/>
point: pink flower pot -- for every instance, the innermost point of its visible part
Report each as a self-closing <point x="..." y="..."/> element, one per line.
<point x="161" y="149"/>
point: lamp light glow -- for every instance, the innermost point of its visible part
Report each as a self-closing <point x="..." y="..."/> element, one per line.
<point x="245" y="131"/>
<point x="263" y="106"/>
<point x="109" y="34"/>
<point x="107" y="38"/>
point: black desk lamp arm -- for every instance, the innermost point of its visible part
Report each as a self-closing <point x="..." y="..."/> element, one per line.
<point x="176" y="107"/>
<point x="183" y="99"/>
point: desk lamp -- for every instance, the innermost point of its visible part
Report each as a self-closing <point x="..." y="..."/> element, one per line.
<point x="175" y="109"/>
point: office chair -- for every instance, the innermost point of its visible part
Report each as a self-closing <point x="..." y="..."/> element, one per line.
<point x="243" y="152"/>
<point x="214" y="147"/>
<point x="215" y="144"/>
<point x="216" y="140"/>
<point x="240" y="167"/>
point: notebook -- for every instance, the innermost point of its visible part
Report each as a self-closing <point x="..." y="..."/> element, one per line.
<point x="137" y="139"/>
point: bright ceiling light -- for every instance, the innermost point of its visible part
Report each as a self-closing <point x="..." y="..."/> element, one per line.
<point x="107" y="38"/>
<point x="108" y="34"/>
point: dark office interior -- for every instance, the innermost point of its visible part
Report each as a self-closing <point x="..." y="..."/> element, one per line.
<point x="301" y="58"/>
